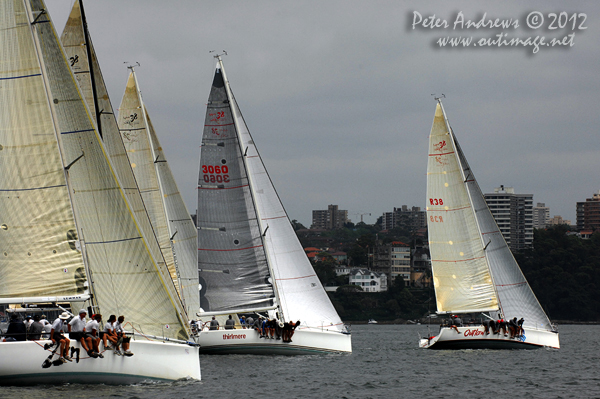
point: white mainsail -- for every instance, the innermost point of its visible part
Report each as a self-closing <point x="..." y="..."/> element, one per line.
<point x="296" y="289"/>
<point x="473" y="268"/>
<point x="63" y="195"/>
<point x="171" y="220"/>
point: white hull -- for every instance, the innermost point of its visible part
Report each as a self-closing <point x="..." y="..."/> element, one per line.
<point x="248" y="341"/>
<point x="152" y="360"/>
<point x="474" y="337"/>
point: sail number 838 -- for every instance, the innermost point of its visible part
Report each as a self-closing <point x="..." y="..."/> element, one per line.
<point x="215" y="174"/>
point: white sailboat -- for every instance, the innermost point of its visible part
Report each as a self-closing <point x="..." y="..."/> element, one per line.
<point x="249" y="258"/>
<point x="69" y="235"/>
<point x="474" y="271"/>
<point x="170" y="218"/>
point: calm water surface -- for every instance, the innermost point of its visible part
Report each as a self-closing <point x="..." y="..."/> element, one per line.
<point x="386" y="363"/>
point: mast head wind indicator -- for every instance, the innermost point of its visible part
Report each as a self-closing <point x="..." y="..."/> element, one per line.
<point x="131" y="66"/>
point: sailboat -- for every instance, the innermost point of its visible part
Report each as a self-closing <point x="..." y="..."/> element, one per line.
<point x="250" y="261"/>
<point x="70" y="236"/>
<point x="171" y="221"/>
<point x="474" y="272"/>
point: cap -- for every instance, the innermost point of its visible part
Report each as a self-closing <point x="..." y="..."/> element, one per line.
<point x="83" y="311"/>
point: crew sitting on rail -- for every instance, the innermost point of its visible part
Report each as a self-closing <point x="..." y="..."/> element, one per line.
<point x="91" y="336"/>
<point x="513" y="327"/>
<point x="122" y="340"/>
<point x="58" y="338"/>
<point x="229" y="323"/>
<point x="76" y="329"/>
<point x="288" y="330"/>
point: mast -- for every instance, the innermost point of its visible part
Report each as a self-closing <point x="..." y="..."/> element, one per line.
<point x="40" y="58"/>
<point x="465" y="182"/>
<point x="86" y="36"/>
<point x="251" y="184"/>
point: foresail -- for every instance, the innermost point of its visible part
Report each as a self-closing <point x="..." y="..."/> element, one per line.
<point x="125" y="279"/>
<point x="133" y="127"/>
<point x="300" y="292"/>
<point x="184" y="236"/>
<point x="231" y="259"/>
<point x="39" y="251"/>
<point x="515" y="295"/>
<point x="461" y="275"/>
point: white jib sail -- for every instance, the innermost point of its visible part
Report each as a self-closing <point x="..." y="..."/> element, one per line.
<point x="299" y="290"/>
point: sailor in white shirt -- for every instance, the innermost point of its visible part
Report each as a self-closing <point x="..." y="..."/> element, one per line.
<point x="57" y="337"/>
<point x="91" y="334"/>
<point x="77" y="327"/>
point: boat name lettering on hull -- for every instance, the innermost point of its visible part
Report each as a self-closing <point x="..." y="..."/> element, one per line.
<point x="473" y="333"/>
<point x="234" y="336"/>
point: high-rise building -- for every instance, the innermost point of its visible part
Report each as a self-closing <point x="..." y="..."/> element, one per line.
<point x="541" y="216"/>
<point x="410" y="219"/>
<point x="514" y="216"/>
<point x="588" y="213"/>
<point x="329" y="219"/>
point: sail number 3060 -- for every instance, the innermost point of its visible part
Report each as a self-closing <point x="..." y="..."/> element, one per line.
<point x="215" y="174"/>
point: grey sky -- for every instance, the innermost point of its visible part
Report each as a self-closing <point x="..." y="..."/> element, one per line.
<point x="337" y="94"/>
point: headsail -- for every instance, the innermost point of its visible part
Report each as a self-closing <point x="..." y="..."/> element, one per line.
<point x="55" y="126"/>
<point x="300" y="292"/>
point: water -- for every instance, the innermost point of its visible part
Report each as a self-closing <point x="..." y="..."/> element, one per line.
<point x="386" y="363"/>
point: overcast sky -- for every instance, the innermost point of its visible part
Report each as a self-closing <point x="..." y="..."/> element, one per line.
<point x="337" y="94"/>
